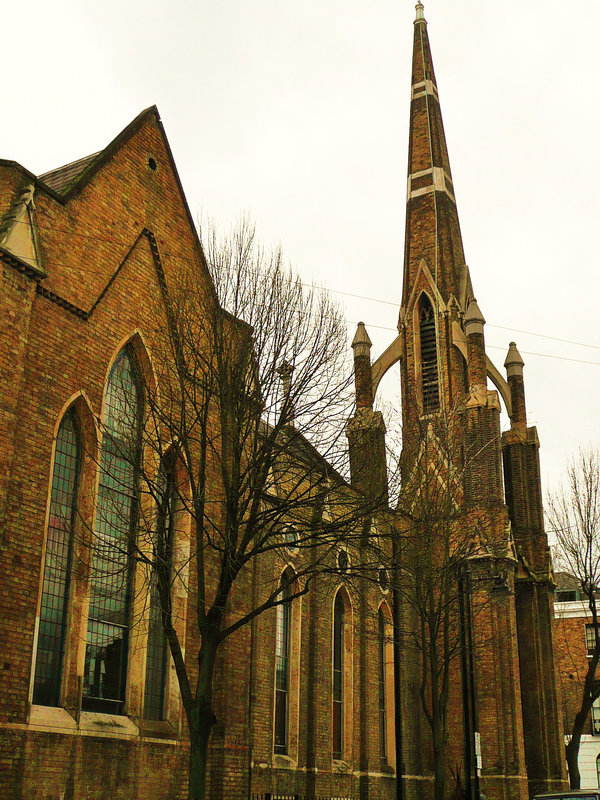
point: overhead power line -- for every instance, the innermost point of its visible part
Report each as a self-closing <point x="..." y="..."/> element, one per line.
<point x="180" y="257"/>
<point x="499" y="347"/>
<point x="488" y="324"/>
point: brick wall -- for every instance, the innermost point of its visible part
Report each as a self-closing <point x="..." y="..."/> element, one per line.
<point x="107" y="248"/>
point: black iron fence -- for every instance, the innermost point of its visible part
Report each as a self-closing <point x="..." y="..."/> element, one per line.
<point x="278" y="796"/>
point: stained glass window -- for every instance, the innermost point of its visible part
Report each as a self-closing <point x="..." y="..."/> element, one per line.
<point x="338" y="675"/>
<point x="282" y="666"/>
<point x="57" y="565"/>
<point x="382" y="681"/>
<point x="108" y="619"/>
<point x="162" y="556"/>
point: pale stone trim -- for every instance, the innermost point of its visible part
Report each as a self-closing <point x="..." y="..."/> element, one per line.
<point x="571" y="610"/>
<point x="439" y="306"/>
<point x="50" y="719"/>
<point x="424" y="87"/>
<point x="390" y="356"/>
<point x="440" y="183"/>
<point x="19" y="234"/>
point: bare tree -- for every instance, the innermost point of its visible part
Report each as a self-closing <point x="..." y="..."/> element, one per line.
<point x="574" y="515"/>
<point x="242" y="445"/>
<point x="443" y="567"/>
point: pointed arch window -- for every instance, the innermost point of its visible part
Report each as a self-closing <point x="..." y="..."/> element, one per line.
<point x="282" y="664"/>
<point x="339" y="613"/>
<point x="429" y="365"/>
<point x="162" y="561"/>
<point x="105" y="668"/>
<point x="385" y="670"/>
<point x="57" y="564"/>
<point x="381" y="658"/>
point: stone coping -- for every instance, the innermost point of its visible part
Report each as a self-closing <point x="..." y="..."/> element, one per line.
<point x="51" y="719"/>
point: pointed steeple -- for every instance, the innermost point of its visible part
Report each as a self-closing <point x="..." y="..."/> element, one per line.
<point x="432" y="226"/>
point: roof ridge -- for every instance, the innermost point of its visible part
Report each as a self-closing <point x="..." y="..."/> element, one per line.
<point x="70" y="164"/>
<point x="61" y="178"/>
<point x="66" y="179"/>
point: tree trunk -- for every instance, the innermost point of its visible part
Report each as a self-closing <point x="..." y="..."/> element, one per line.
<point x="201" y="720"/>
<point x="439" y="760"/>
<point x="572" y="749"/>
<point x="198" y="765"/>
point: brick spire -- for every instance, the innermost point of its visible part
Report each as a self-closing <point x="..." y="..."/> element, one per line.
<point x="432" y="227"/>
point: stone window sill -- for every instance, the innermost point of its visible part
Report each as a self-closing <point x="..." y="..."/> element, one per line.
<point x="284" y="762"/>
<point x="341" y="766"/>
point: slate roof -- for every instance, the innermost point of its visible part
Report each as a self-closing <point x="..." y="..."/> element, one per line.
<point x="565" y="581"/>
<point x="61" y="178"/>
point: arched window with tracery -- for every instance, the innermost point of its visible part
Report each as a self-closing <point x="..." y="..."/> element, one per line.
<point x="105" y="668"/>
<point x="57" y="563"/>
<point x="429" y="362"/>
<point x="283" y="637"/>
<point x="162" y="561"/>
<point x="339" y="614"/>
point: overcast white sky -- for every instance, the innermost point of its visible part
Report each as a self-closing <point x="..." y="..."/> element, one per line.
<point x="297" y="112"/>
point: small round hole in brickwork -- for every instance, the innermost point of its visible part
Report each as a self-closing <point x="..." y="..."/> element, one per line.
<point x="152" y="164"/>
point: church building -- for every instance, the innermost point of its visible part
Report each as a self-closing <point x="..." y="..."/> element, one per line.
<point x="90" y="705"/>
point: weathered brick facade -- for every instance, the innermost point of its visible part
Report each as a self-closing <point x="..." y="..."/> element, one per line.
<point x="84" y="265"/>
<point x="86" y="254"/>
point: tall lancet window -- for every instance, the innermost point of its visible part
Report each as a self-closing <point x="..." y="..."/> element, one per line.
<point x="162" y="557"/>
<point x="57" y="564"/>
<point x="338" y="676"/>
<point x="108" y="620"/>
<point x="382" y="685"/>
<point x="429" y="365"/>
<point x="282" y="665"/>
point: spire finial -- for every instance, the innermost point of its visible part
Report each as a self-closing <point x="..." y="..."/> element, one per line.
<point x="514" y="363"/>
<point x="420" y="12"/>
<point x="361" y="344"/>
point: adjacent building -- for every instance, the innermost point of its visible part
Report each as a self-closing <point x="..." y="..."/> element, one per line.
<point x="574" y="643"/>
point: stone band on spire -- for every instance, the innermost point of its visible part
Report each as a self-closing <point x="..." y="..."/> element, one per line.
<point x="432" y="225"/>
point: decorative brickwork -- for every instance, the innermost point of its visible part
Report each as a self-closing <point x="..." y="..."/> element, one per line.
<point x="112" y="243"/>
<point x="504" y="702"/>
<point x="103" y="240"/>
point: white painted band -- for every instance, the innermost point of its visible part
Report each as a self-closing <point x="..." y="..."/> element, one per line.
<point x="423" y="88"/>
<point x="441" y="179"/>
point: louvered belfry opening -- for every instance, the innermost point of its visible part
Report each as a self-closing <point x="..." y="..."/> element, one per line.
<point x="429" y="369"/>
